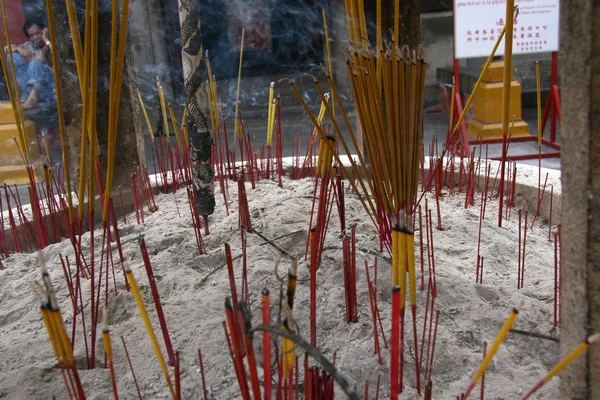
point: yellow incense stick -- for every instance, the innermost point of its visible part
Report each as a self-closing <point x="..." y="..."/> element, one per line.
<point x="403" y="267"/>
<point x="508" y="67"/>
<point x="213" y="91"/>
<point x="76" y="39"/>
<point x="143" y="107"/>
<point x="86" y="106"/>
<point x="568" y="359"/>
<point x="184" y="127"/>
<point x="114" y="116"/>
<point x="270" y="113"/>
<point x="378" y="44"/>
<point x="329" y="61"/>
<point x="142" y="308"/>
<point x="350" y="179"/>
<point x="210" y="105"/>
<point x="174" y="122"/>
<point x="236" y="128"/>
<point x="61" y="121"/>
<point x="163" y="108"/>
<point x="92" y="104"/>
<point x="321" y="115"/>
<point x="539" y="103"/>
<point x="494" y="348"/>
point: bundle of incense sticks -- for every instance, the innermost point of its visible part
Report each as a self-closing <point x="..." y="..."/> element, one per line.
<point x="318" y="384"/>
<point x="325" y="178"/>
<point x="196" y="219"/>
<point x="244" y="212"/>
<point x="57" y="334"/>
<point x="394" y="166"/>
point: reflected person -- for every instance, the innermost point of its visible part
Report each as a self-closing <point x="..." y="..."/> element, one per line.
<point x="33" y="66"/>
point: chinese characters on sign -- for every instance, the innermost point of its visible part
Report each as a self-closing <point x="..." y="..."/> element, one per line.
<point x="478" y="23"/>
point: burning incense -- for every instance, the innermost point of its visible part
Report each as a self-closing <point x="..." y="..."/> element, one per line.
<point x="148" y="124"/>
<point x="494" y="348"/>
<point x="576" y="352"/>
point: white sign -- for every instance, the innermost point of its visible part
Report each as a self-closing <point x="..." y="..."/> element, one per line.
<point x="478" y="23"/>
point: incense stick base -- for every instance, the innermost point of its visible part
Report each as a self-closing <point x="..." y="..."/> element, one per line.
<point x="482" y="130"/>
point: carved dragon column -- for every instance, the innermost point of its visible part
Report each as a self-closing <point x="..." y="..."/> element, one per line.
<point x="196" y="102"/>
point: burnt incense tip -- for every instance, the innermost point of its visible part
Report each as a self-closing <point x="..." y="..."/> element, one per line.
<point x="42" y="263"/>
<point x="593" y="338"/>
<point x="294" y="267"/>
<point x="105" y="319"/>
<point x="272" y="85"/>
<point x="519" y="307"/>
<point x="206" y="53"/>
<point x="126" y="268"/>
<point x="265" y="292"/>
<point x="228" y="305"/>
<point x="314" y="78"/>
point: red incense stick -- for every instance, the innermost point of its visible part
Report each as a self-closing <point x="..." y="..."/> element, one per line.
<point x="131" y="368"/>
<point x="266" y="319"/>
<point x="157" y="304"/>
<point x="202" y="374"/>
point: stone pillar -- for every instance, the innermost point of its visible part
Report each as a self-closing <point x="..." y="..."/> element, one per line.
<point x="130" y="143"/>
<point x="580" y="242"/>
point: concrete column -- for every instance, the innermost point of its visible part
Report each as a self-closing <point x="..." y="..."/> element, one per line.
<point x="580" y="244"/>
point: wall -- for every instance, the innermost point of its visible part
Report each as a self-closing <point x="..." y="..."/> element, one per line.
<point x="16" y="19"/>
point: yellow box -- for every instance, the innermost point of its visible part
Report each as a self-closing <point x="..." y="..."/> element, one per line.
<point x="478" y="129"/>
<point x="487" y="104"/>
<point x="7" y="115"/>
<point x="495" y="72"/>
<point x="17" y="174"/>
<point x="9" y="152"/>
